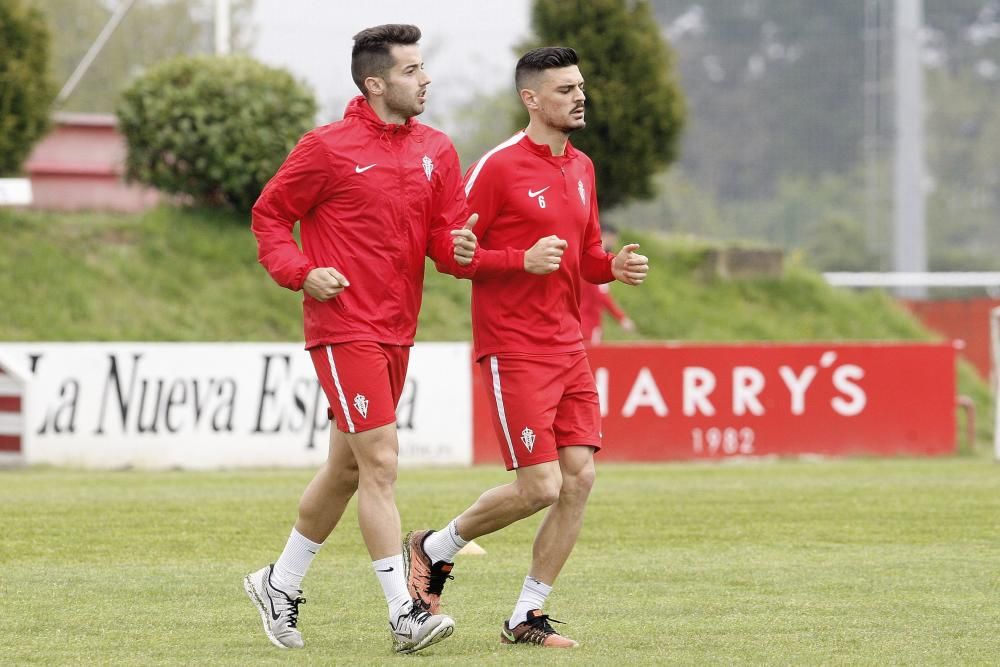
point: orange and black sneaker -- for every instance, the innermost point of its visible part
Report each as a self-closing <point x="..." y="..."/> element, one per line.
<point x="536" y="630"/>
<point x="425" y="580"/>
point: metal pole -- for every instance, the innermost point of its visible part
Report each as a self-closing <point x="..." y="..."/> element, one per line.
<point x="910" y="246"/>
<point x="873" y="40"/>
<point x="222" y="28"/>
<point x="109" y="28"/>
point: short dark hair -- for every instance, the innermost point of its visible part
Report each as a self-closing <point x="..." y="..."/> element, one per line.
<point x="370" y="55"/>
<point x="538" y="60"/>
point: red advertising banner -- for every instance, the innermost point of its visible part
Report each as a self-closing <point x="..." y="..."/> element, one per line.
<point x="672" y="401"/>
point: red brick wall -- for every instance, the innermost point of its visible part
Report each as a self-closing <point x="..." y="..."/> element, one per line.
<point x="79" y="166"/>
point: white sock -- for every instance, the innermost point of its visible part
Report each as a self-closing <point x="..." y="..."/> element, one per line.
<point x="444" y="544"/>
<point x="294" y="562"/>
<point x="533" y="595"/>
<point x="390" y="574"/>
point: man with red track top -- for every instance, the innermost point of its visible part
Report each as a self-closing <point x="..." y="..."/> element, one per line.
<point x="374" y="193"/>
<point x="526" y="328"/>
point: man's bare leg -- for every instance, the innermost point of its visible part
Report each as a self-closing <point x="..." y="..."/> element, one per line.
<point x="376" y="452"/>
<point x="320" y="508"/>
<point x="562" y="523"/>
<point x="553" y="544"/>
<point x="275" y="590"/>
<point x="535" y="488"/>
<point x="429" y="555"/>
<point x="326" y="497"/>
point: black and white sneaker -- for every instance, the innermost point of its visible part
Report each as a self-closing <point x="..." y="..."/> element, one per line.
<point x="278" y="610"/>
<point x="417" y="629"/>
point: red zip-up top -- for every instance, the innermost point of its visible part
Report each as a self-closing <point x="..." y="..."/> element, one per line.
<point x="594" y="300"/>
<point x="522" y="192"/>
<point x="373" y="199"/>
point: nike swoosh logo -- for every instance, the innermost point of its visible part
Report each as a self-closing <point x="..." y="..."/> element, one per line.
<point x="270" y="600"/>
<point x="274" y="616"/>
<point x="507" y="634"/>
<point x="360" y="170"/>
<point x="535" y="194"/>
<point x="389" y="570"/>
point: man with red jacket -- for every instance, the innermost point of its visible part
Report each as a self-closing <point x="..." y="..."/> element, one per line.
<point x="374" y="194"/>
<point x="528" y="343"/>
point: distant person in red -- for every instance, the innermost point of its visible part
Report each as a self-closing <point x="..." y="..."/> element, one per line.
<point x="526" y="330"/>
<point x="595" y="299"/>
<point x="374" y="194"/>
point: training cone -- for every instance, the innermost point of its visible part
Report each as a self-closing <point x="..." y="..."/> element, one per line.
<point x="472" y="549"/>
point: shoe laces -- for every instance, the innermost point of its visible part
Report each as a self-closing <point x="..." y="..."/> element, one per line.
<point x="291" y="607"/>
<point x="440" y="573"/>
<point x="417" y="615"/>
<point x="293" y="610"/>
<point x="540" y="624"/>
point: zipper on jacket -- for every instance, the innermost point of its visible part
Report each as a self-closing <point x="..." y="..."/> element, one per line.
<point x="396" y="144"/>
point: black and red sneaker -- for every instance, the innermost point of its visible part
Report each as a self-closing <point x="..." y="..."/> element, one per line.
<point x="536" y="630"/>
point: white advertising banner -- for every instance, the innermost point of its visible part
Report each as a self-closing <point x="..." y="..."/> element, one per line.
<point x="219" y="405"/>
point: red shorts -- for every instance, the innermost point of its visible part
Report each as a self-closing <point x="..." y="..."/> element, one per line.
<point x="540" y="403"/>
<point x="363" y="381"/>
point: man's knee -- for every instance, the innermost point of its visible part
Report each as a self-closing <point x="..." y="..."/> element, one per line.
<point x="377" y="458"/>
<point x="542" y="488"/>
<point x="578" y="481"/>
<point x="344" y="477"/>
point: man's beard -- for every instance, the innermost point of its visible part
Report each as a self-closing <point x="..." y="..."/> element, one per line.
<point x="407" y="107"/>
<point x="566" y="128"/>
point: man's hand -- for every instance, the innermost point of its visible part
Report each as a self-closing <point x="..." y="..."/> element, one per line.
<point x="628" y="267"/>
<point x="627" y="324"/>
<point x="324" y="283"/>
<point x="545" y="256"/>
<point x="465" y="241"/>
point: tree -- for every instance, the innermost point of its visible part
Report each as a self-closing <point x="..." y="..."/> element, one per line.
<point x="214" y="128"/>
<point x="776" y="86"/>
<point x="635" y="107"/>
<point x="25" y="89"/>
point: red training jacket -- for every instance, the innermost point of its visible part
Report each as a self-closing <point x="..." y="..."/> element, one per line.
<point x="373" y="199"/>
<point x="594" y="300"/>
<point x="522" y="193"/>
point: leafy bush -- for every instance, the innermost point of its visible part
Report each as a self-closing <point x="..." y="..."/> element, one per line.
<point x="213" y="128"/>
<point x="26" y="92"/>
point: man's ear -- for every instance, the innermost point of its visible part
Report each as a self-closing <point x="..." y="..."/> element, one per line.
<point x="529" y="98"/>
<point x="375" y="85"/>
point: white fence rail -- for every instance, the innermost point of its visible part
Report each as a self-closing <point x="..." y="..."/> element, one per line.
<point x="990" y="280"/>
<point x="995" y="341"/>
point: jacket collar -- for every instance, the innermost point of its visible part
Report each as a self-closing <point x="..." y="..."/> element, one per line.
<point x="543" y="150"/>
<point x="360" y="108"/>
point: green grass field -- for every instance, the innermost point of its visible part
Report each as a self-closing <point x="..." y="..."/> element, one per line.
<point x="793" y="563"/>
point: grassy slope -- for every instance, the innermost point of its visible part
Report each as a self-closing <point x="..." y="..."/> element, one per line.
<point x="189" y="275"/>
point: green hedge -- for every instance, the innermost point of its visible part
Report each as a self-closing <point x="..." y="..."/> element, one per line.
<point x="213" y="128"/>
<point x="26" y="92"/>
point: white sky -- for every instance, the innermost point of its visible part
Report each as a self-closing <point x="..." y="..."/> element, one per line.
<point x="468" y="46"/>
